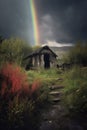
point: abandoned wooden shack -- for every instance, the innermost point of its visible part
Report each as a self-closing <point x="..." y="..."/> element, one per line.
<point x="43" y="57"/>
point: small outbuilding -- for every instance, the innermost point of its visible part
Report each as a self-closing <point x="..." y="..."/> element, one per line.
<point x="43" y="57"/>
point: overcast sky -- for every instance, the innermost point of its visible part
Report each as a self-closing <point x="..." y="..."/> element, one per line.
<point x="60" y="21"/>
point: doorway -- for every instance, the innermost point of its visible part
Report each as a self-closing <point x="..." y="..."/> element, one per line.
<point x="46" y="61"/>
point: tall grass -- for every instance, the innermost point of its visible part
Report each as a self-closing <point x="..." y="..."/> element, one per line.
<point x="75" y="91"/>
<point x="47" y="77"/>
<point x="20" y="100"/>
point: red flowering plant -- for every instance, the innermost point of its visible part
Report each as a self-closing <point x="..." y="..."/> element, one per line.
<point x="19" y="99"/>
<point x="13" y="80"/>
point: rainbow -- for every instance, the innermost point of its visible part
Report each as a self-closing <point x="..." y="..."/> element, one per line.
<point x="35" y="22"/>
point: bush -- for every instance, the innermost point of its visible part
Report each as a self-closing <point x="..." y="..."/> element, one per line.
<point x="78" y="54"/>
<point x="75" y="91"/>
<point x="19" y="100"/>
<point x="13" y="50"/>
<point x="13" y="80"/>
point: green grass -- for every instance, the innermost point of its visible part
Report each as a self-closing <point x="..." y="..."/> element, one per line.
<point x="75" y="91"/>
<point x="47" y="77"/>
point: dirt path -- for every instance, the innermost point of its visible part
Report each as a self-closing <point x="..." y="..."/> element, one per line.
<point x="55" y="118"/>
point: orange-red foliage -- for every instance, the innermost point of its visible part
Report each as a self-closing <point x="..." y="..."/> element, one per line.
<point x="13" y="79"/>
<point x="35" y="86"/>
<point x="14" y="82"/>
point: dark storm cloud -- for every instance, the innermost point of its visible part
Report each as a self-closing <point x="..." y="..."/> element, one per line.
<point x="69" y="19"/>
<point x="15" y="18"/>
<point x="62" y="21"/>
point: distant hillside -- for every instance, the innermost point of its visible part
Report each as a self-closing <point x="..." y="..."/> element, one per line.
<point x="60" y="51"/>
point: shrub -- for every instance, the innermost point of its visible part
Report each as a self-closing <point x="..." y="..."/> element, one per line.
<point x="78" y="54"/>
<point x="14" y="80"/>
<point x="75" y="91"/>
<point x="13" y="50"/>
<point x="19" y="100"/>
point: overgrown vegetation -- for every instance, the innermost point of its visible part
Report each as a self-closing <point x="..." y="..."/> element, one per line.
<point x="78" y="54"/>
<point x="75" y="90"/>
<point x="13" y="51"/>
<point x="75" y="80"/>
<point x="20" y="101"/>
<point x="23" y="94"/>
<point x="47" y="77"/>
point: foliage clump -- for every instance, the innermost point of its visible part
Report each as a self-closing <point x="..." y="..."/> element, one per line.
<point x="78" y="54"/>
<point x="20" y="101"/>
<point x="13" y="50"/>
<point x="75" y="91"/>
